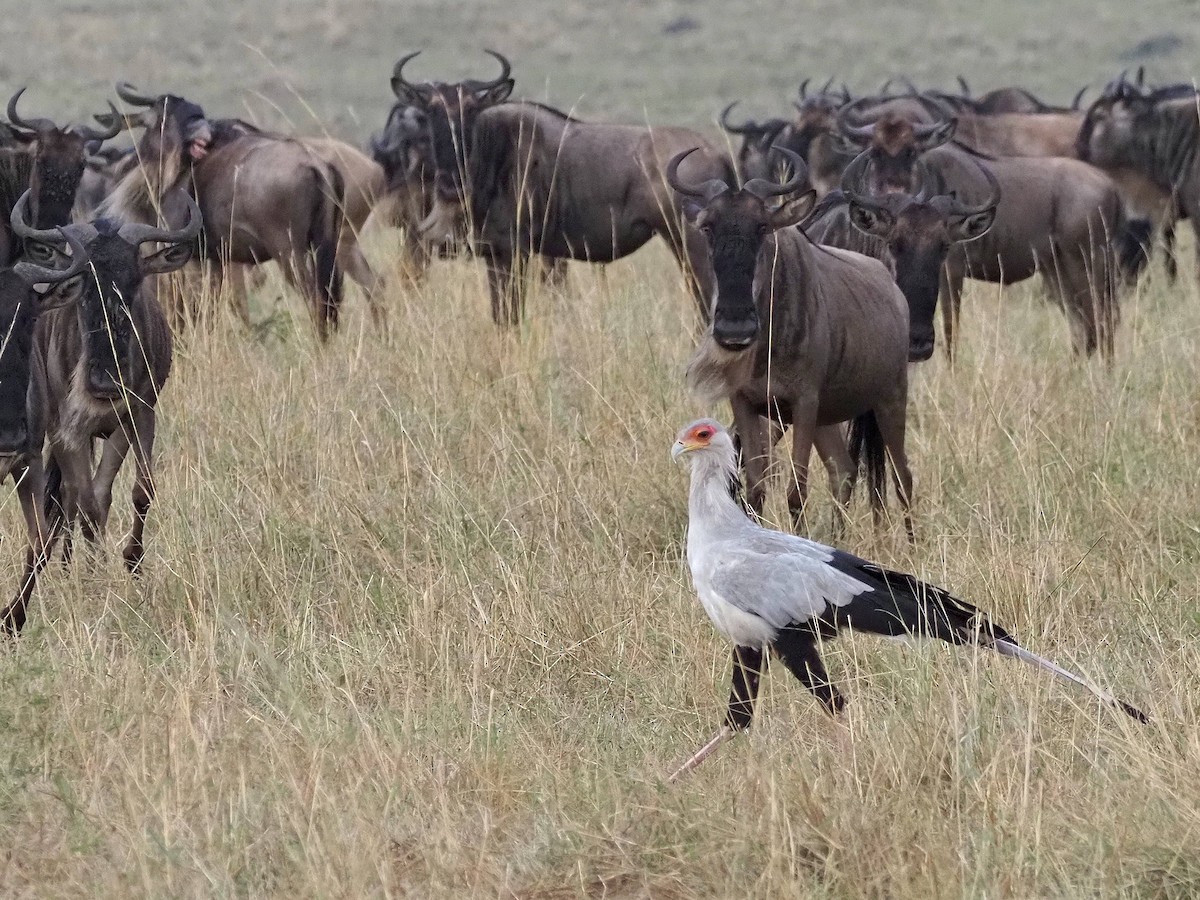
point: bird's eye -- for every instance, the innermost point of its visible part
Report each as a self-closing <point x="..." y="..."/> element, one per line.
<point x="704" y="434"/>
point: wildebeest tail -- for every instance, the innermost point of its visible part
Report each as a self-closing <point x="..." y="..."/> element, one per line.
<point x="869" y="452"/>
<point x="324" y="232"/>
<point x="1133" y="244"/>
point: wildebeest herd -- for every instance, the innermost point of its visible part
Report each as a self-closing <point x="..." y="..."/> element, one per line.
<point x="817" y="249"/>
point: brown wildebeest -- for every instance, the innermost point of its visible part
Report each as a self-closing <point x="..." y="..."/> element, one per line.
<point x="46" y="159"/>
<point x="262" y="198"/>
<point x="801" y="335"/>
<point x="107" y="359"/>
<point x="364" y="184"/>
<point x="1057" y="216"/>
<point x="910" y="234"/>
<point x="23" y="401"/>
<point x="527" y="179"/>
<point x="1155" y="134"/>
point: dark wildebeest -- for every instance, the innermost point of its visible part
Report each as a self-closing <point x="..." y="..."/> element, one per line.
<point x="47" y="160"/>
<point x="1155" y="134"/>
<point x="262" y="197"/>
<point x="402" y="149"/>
<point x="1057" y="216"/>
<point x="911" y="234"/>
<point x="106" y="360"/>
<point x="801" y="335"/>
<point x="754" y="155"/>
<point x="528" y="179"/>
<point x="23" y="399"/>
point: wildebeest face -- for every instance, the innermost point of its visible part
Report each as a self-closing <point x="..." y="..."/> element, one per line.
<point x="114" y="276"/>
<point x="736" y="224"/>
<point x="895" y="145"/>
<point x="450" y="112"/>
<point x="179" y="123"/>
<point x="919" y="235"/>
<point x="1110" y="128"/>
<point x="59" y="155"/>
<point x="402" y="148"/>
<point x="815" y="117"/>
<point x="919" y="232"/>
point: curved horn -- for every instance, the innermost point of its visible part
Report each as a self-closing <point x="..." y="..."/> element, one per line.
<point x="398" y="74"/>
<point x="114" y="127"/>
<point x="804" y="89"/>
<point x="828" y="84"/>
<point x="132" y="96"/>
<point x="966" y="88"/>
<point x="39" y="125"/>
<point x="853" y="176"/>
<point x="21" y="227"/>
<point x="958" y="208"/>
<point x="137" y="233"/>
<point x="907" y="82"/>
<point x="883" y="88"/>
<point x="35" y="274"/>
<point x="505" y="72"/>
<point x="747" y="128"/>
<point x="1079" y="97"/>
<point x="764" y="189"/>
<point x="704" y="192"/>
<point x="862" y="132"/>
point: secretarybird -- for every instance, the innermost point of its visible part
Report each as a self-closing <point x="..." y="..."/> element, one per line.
<point x="769" y="591"/>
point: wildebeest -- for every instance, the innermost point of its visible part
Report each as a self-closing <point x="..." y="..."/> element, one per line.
<point x="262" y="198"/>
<point x="910" y="233"/>
<point x="46" y="159"/>
<point x="23" y="399"/>
<point x="1057" y="216"/>
<point x="107" y="358"/>
<point x="801" y="335"/>
<point x="1155" y="133"/>
<point x="402" y="149"/>
<point x="528" y="179"/>
<point x="758" y="138"/>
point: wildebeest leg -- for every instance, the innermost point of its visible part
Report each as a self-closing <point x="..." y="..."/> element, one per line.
<point x="235" y="275"/>
<point x="30" y="489"/>
<point x="803" y="433"/>
<point x="116" y="448"/>
<point x="553" y="272"/>
<point x="892" y="420"/>
<point x="950" y="298"/>
<point x="830" y="442"/>
<point x="143" y="488"/>
<point x="1168" y="243"/>
<point x="504" y="285"/>
<point x="751" y="431"/>
<point x="1081" y="297"/>
<point x="356" y="266"/>
<point x="78" y="495"/>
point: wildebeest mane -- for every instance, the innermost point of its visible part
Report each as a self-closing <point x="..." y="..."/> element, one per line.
<point x="502" y="164"/>
<point x="1166" y="147"/>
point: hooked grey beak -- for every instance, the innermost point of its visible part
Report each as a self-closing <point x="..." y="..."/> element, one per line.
<point x="678" y="449"/>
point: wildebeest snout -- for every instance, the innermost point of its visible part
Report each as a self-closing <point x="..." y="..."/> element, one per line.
<point x="103" y="382"/>
<point x="920" y="347"/>
<point x="735" y="332"/>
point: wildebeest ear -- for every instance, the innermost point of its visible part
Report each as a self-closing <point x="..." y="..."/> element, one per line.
<point x="691" y="210"/>
<point x="411" y="94"/>
<point x="792" y="212"/>
<point x="497" y="94"/>
<point x="873" y="221"/>
<point x="937" y="136"/>
<point x="167" y="260"/>
<point x="973" y="227"/>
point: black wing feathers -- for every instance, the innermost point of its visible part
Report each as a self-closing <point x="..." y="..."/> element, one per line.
<point x="899" y="605"/>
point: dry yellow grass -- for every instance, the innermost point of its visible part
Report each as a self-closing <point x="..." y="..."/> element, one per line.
<point x="415" y="622"/>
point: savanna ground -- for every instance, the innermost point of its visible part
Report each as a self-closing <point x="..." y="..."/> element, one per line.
<point x="415" y="619"/>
